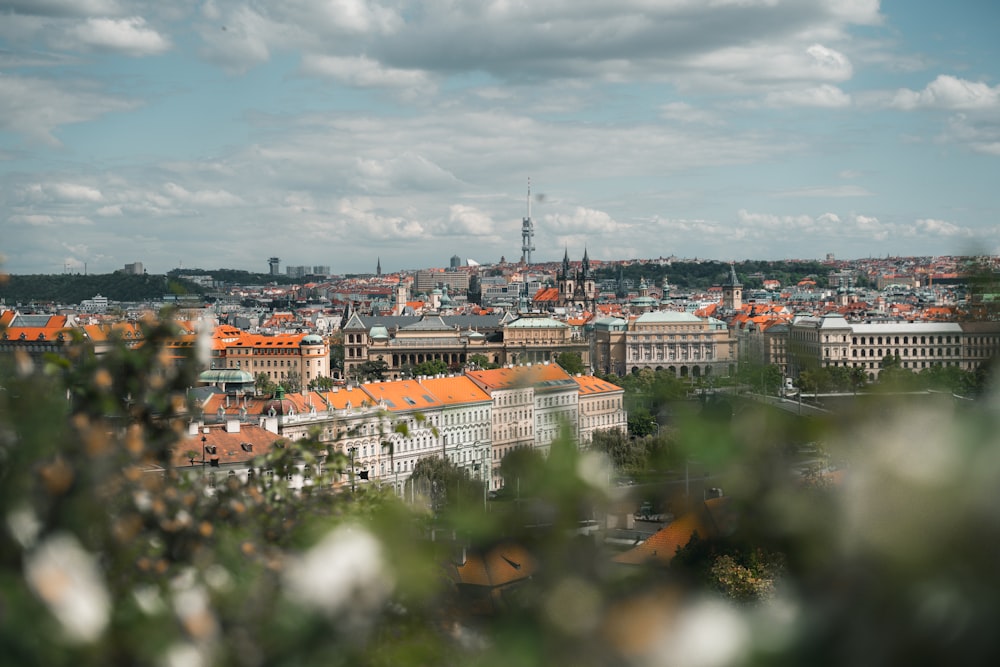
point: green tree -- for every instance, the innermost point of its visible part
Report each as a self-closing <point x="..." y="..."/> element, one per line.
<point x="641" y="423"/>
<point x="570" y="362"/>
<point x="430" y="367"/>
<point x="322" y="383"/>
<point x="370" y="370"/>
<point x="446" y="485"/>
<point x="264" y="385"/>
<point x="522" y="470"/>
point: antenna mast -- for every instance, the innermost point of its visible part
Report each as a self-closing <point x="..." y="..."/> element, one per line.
<point x="527" y="232"/>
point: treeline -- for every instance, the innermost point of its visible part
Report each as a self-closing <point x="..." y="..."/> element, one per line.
<point x="702" y="275"/>
<point x="74" y="288"/>
<point x="237" y="276"/>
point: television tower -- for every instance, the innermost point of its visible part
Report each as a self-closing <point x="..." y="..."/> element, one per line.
<point x="527" y="232"/>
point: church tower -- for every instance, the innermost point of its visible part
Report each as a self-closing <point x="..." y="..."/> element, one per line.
<point x="732" y="292"/>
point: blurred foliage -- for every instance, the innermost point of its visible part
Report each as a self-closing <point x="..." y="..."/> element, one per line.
<point x="109" y="555"/>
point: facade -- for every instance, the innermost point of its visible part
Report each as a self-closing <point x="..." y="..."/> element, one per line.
<point x="473" y="420"/>
<point x="679" y="342"/>
<point x="280" y="357"/>
<point x="424" y="281"/>
<point x="577" y="289"/>
<point x="404" y="342"/>
<point x="831" y="340"/>
<point x="601" y="407"/>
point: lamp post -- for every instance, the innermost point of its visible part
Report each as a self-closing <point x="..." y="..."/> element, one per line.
<point x="352" y="450"/>
<point x="203" y="448"/>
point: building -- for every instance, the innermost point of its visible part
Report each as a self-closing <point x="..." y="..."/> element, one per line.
<point x="274" y="266"/>
<point x="601" y="407"/>
<point x="830" y="340"/>
<point x="679" y="342"/>
<point x="281" y="357"/>
<point x="426" y="280"/>
<point x="134" y="269"/>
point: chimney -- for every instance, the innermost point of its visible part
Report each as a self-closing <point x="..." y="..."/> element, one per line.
<point x="193" y="428"/>
<point x="232" y="426"/>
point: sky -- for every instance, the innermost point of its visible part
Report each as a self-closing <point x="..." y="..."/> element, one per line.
<point x="217" y="133"/>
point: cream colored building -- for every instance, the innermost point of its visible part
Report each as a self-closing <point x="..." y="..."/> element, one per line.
<point x="679" y="342"/>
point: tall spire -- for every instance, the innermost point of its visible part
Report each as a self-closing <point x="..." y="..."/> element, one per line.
<point x="586" y="264"/>
<point x="527" y="232"/>
<point x="378" y="268"/>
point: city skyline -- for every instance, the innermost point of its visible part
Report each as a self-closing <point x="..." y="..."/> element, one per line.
<point x="218" y="133"/>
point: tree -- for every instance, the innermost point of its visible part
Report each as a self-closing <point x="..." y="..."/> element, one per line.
<point x="570" y="362"/>
<point x="264" y="385"/>
<point x="641" y="423"/>
<point x="322" y="383"/>
<point x="628" y="455"/>
<point x="480" y="361"/>
<point x="447" y="485"/>
<point x="367" y="371"/>
<point x="291" y="383"/>
<point x="521" y="469"/>
<point x="430" y="367"/>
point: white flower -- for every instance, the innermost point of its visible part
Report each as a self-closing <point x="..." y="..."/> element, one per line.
<point x="67" y="579"/>
<point x="344" y="572"/>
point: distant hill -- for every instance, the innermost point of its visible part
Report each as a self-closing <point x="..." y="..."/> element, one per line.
<point x="73" y="288"/>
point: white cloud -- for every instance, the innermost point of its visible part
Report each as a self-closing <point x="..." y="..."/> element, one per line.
<point x="211" y="198"/>
<point x="62" y="7"/>
<point x="36" y="107"/>
<point x="824" y="96"/>
<point x="949" y="92"/>
<point x="686" y="113"/>
<point x="469" y="221"/>
<point x="130" y="36"/>
<point x="362" y="71"/>
<point x="942" y="228"/>
<point x="583" y="220"/>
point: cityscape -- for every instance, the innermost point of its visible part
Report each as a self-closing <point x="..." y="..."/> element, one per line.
<point x="370" y="332"/>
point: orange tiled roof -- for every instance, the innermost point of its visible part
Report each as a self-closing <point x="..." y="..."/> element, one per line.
<point x="228" y="446"/>
<point x="547" y="294"/>
<point x="590" y="385"/>
<point x="455" y="390"/>
<point x="503" y="564"/>
<point x="401" y="395"/>
<point x="708" y="520"/>
<point x="518" y="376"/>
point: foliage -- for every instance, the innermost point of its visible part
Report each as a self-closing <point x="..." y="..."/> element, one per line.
<point x="763" y="379"/>
<point x="370" y="370"/>
<point x="292" y="382"/>
<point x="521" y="470"/>
<point x="641" y="423"/>
<point x="74" y="288"/>
<point x="430" y="367"/>
<point x="481" y="361"/>
<point x="322" y="383"/>
<point x="264" y="384"/>
<point x="445" y="484"/>
<point x="570" y="362"/>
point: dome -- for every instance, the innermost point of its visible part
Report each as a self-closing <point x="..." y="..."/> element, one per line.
<point x="311" y="339"/>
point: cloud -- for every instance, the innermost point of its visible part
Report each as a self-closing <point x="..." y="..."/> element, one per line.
<point x="62" y="8"/>
<point x="686" y="113"/>
<point x="951" y="93"/>
<point x="469" y="221"/>
<point x="942" y="228"/>
<point x="211" y="198"/>
<point x="980" y="134"/>
<point x="129" y="36"/>
<point x="363" y="72"/>
<point x="834" y="191"/>
<point x="36" y="107"/>
<point x="823" y="96"/>
<point x="583" y="220"/>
